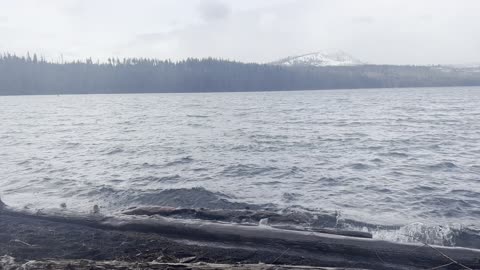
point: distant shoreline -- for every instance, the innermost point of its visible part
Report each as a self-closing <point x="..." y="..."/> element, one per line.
<point x="31" y="76"/>
<point x="472" y="87"/>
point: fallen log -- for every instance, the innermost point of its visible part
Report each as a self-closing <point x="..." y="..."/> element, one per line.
<point x="332" y="250"/>
<point x="275" y="220"/>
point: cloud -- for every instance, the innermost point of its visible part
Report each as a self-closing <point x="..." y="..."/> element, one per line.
<point x="213" y="10"/>
<point x="363" y="19"/>
<point x="376" y="31"/>
<point x="154" y="37"/>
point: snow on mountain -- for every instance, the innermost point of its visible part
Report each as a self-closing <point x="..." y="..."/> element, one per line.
<point x="320" y="59"/>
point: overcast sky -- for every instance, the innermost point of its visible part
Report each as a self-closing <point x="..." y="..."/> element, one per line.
<point x="375" y="31"/>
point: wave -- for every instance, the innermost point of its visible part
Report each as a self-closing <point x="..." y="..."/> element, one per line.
<point x="452" y="208"/>
<point x="192" y="198"/>
<point x="443" y="166"/>
<point x="443" y="235"/>
<point x="332" y="181"/>
<point x="200" y="198"/>
<point x="466" y="193"/>
<point x="183" y="160"/>
<point x="246" y="170"/>
<point x="197" y="197"/>
<point x="377" y="160"/>
<point x="197" y="116"/>
<point x="25" y="162"/>
<point x="394" y="154"/>
<point x="294" y="172"/>
<point x="359" y="166"/>
<point x="113" y="151"/>
<point x="108" y="197"/>
<point x="154" y="179"/>
<point x="289" y="197"/>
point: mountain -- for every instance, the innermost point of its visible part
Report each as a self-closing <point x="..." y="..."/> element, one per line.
<point x="320" y="59"/>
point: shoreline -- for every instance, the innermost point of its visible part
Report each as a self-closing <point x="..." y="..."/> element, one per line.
<point x="142" y="239"/>
<point x="29" y="239"/>
<point x="470" y="87"/>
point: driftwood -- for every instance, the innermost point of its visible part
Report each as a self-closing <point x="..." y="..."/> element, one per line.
<point x="333" y="250"/>
<point x="245" y="217"/>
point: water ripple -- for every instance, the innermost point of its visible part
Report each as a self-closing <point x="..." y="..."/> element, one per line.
<point x="377" y="156"/>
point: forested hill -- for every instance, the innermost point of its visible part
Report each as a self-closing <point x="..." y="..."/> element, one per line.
<point x="30" y="75"/>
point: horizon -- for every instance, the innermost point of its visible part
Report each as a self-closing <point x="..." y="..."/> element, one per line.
<point x="63" y="60"/>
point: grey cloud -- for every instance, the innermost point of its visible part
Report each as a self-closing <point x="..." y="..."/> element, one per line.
<point x="376" y="31"/>
<point x="214" y="10"/>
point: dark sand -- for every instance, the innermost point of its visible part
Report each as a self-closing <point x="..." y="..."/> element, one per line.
<point x="25" y="238"/>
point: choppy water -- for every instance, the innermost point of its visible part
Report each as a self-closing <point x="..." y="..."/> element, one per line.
<point x="395" y="156"/>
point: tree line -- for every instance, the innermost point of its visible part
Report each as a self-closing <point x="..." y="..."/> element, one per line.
<point x="23" y="75"/>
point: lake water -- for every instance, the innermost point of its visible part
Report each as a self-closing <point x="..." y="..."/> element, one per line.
<point x="385" y="156"/>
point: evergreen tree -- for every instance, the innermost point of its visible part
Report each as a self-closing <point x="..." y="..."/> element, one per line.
<point x="28" y="75"/>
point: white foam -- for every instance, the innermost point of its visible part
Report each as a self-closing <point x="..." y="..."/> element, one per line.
<point x="418" y="232"/>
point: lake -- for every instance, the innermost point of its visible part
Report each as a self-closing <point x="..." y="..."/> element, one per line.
<point x="380" y="156"/>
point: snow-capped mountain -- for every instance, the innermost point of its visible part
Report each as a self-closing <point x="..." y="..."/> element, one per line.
<point x="320" y="59"/>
